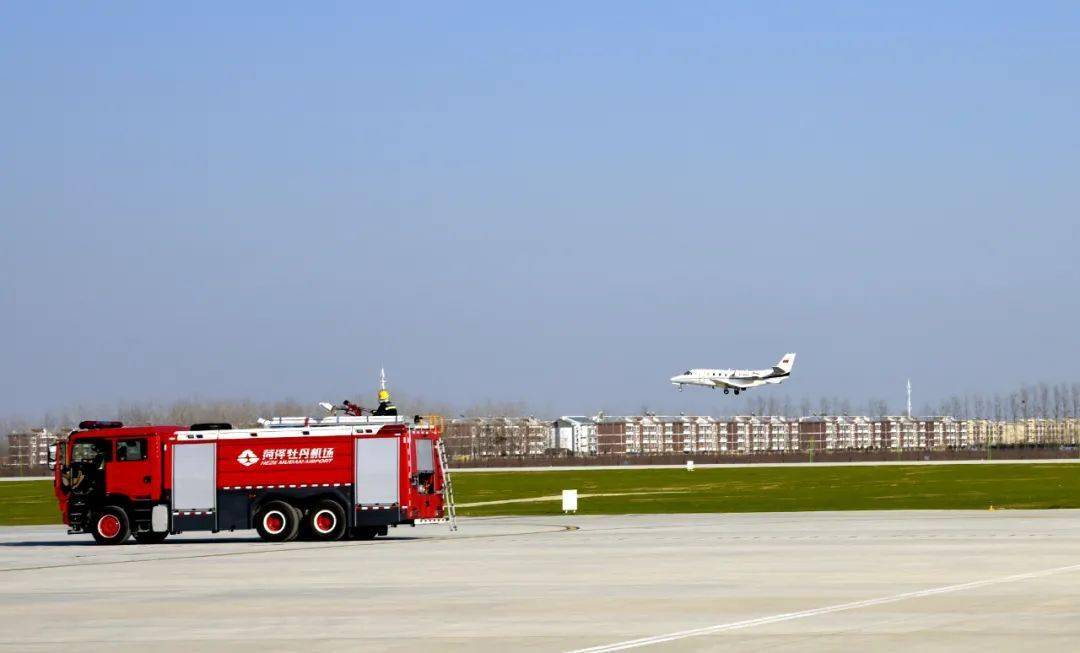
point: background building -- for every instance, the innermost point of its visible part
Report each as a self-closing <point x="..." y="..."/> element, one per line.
<point x="574" y="434"/>
<point x="493" y="437"/>
<point x="29" y="450"/>
<point x="647" y="435"/>
<point x="750" y="434"/>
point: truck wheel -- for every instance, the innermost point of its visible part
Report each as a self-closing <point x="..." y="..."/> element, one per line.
<point x="150" y="537"/>
<point x="110" y="525"/>
<point x="326" y="521"/>
<point x="277" y="521"/>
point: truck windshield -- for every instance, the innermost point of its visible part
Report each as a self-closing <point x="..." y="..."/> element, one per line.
<point x="88" y="451"/>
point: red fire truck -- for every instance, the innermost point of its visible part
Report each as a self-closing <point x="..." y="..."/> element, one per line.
<point x="322" y="479"/>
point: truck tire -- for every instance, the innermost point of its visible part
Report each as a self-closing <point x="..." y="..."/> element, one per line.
<point x="150" y="537"/>
<point x="277" y="521"/>
<point x="110" y="525"/>
<point x="326" y="521"/>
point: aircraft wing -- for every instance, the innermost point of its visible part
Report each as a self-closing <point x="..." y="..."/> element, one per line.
<point x="738" y="384"/>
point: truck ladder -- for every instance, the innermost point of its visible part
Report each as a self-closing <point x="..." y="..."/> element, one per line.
<point x="448" y="486"/>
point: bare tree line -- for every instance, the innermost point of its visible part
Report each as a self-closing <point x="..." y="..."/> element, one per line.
<point x="1029" y="401"/>
<point x="785" y="406"/>
<point x="1039" y="400"/>
<point x="239" y="412"/>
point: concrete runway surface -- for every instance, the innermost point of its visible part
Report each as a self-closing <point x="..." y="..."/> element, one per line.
<point x="883" y="581"/>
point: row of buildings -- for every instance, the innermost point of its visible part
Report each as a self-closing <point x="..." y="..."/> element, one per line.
<point x="28" y="450"/>
<point x="493" y="437"/>
<point x="744" y="434"/>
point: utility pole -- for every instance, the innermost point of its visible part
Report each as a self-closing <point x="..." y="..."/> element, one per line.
<point x="909" y="398"/>
<point x="1027" y="435"/>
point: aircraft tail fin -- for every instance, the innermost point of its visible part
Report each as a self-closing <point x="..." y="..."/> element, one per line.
<point x="786" y="363"/>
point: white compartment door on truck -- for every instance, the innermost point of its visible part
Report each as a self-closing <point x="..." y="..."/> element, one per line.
<point x="425" y="456"/>
<point x="377" y="471"/>
<point x="194" y="471"/>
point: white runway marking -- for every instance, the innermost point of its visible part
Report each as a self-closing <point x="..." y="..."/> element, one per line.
<point x="558" y="497"/>
<point x="841" y="607"/>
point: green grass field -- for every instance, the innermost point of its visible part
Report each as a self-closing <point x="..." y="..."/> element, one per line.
<point x="767" y="489"/>
<point x="27" y="502"/>
<point x="735" y="489"/>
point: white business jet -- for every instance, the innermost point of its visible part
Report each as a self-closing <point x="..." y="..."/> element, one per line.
<point x="737" y="380"/>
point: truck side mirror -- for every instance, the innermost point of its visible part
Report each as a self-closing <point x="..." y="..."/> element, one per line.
<point x="51" y="457"/>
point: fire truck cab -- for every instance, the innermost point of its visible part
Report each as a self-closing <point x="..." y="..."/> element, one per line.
<point x="108" y="479"/>
<point x="322" y="479"/>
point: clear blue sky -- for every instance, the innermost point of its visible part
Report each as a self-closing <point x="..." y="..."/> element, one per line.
<point x="561" y="203"/>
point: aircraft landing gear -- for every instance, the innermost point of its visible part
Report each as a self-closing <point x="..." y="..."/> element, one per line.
<point x="679" y="388"/>
<point x="727" y="390"/>
<point x="736" y="392"/>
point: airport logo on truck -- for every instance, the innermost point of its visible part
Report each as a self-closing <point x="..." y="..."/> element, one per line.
<point x="290" y="456"/>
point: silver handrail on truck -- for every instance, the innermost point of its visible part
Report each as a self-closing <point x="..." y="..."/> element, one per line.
<point x="448" y="486"/>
